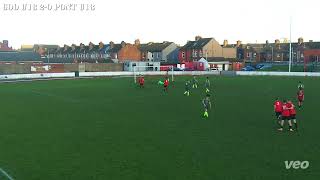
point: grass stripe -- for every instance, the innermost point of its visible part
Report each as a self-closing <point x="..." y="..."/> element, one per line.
<point x="6" y="174"/>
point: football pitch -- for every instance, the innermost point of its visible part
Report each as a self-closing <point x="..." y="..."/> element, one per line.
<point x="109" y="129"/>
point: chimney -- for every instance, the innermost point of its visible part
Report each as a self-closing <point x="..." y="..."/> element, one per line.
<point x="101" y="45"/>
<point x="239" y="43"/>
<point x="197" y="38"/>
<point x="123" y="44"/>
<point x="73" y="46"/>
<point x="6" y="42"/>
<point x="277" y="41"/>
<point x="267" y="42"/>
<point x="137" y="42"/>
<point x="300" y="40"/>
<point x="111" y="44"/>
<point x="225" y="43"/>
<point x="65" y="47"/>
<point x="91" y="45"/>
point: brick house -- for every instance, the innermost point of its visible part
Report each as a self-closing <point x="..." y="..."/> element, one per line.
<point x="4" y="46"/>
<point x="207" y="48"/>
<point x="124" y="52"/>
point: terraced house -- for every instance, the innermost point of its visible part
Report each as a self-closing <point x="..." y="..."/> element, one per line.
<point x="159" y="52"/>
<point x="82" y="53"/>
<point x="207" y="48"/>
<point x="124" y="52"/>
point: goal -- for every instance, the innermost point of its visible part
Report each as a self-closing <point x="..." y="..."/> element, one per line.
<point x="153" y="70"/>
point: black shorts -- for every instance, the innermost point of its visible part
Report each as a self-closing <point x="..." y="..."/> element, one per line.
<point x="293" y="117"/>
<point x="285" y="117"/>
<point x="278" y="114"/>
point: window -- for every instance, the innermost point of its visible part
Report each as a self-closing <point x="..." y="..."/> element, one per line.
<point x="248" y="54"/>
<point x="183" y="54"/>
<point x="195" y="53"/>
<point x="278" y="55"/>
<point x="200" y="54"/>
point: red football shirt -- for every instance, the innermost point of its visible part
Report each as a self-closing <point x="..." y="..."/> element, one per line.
<point x="166" y="82"/>
<point x="300" y="94"/>
<point x="278" y="106"/>
<point x="292" y="110"/>
<point x="141" y="80"/>
<point x="286" y="110"/>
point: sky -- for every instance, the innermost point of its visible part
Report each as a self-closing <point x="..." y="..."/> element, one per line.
<point x="250" y="21"/>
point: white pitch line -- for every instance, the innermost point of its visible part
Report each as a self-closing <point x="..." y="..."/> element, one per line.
<point x="6" y="174"/>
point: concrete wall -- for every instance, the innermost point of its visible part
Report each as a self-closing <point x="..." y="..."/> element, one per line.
<point x="26" y="68"/>
<point x="15" y="68"/>
<point x="104" y="67"/>
<point x="71" y="67"/>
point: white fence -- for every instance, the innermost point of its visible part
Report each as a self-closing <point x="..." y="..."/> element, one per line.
<point x="260" y="73"/>
<point x="36" y="76"/>
<point x="176" y="73"/>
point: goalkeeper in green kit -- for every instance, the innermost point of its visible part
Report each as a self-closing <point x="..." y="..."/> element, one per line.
<point x="207" y="105"/>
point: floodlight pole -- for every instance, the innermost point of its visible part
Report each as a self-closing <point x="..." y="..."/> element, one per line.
<point x="290" y="46"/>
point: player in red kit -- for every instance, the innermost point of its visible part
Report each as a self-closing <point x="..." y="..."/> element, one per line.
<point x="300" y="96"/>
<point x="166" y="84"/>
<point x="285" y="116"/>
<point x="141" y="81"/>
<point x="277" y="105"/>
<point x="293" y="115"/>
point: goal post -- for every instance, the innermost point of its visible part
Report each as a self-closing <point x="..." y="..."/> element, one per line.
<point x="153" y="70"/>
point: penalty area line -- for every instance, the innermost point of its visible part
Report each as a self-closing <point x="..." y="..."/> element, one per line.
<point x="6" y="174"/>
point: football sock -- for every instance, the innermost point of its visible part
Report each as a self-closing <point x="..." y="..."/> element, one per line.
<point x="206" y="114"/>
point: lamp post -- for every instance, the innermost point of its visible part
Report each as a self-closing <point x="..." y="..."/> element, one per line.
<point x="290" y="50"/>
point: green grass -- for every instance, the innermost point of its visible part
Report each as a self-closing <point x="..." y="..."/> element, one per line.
<point x="107" y="129"/>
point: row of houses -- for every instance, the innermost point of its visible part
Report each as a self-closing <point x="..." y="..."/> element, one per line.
<point x="170" y="52"/>
<point x="166" y="52"/>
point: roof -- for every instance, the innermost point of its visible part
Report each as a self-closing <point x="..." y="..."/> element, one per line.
<point x="116" y="48"/>
<point x="197" y="44"/>
<point x="19" y="56"/>
<point x="154" y="47"/>
<point x="312" y="45"/>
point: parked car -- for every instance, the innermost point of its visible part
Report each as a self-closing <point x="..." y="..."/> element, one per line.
<point x="248" y="68"/>
<point x="263" y="66"/>
<point x="214" y="69"/>
<point x="175" y="69"/>
<point x="187" y="69"/>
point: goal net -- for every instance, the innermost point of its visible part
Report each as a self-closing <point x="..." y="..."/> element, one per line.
<point x="167" y="71"/>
